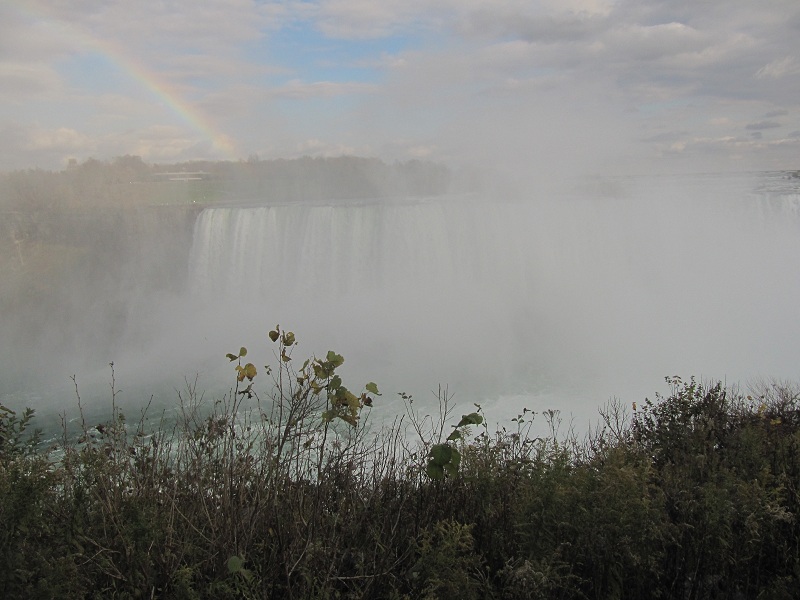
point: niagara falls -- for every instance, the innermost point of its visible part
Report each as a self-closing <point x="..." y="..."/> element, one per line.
<point x="344" y="299"/>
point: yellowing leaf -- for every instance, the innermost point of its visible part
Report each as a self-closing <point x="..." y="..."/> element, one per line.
<point x="250" y="371"/>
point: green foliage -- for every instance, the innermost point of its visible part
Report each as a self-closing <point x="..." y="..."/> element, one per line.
<point x="15" y="439"/>
<point x="445" y="458"/>
<point x="280" y="490"/>
<point x="448" y="565"/>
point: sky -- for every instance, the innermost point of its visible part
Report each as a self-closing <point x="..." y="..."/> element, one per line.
<point x="536" y="86"/>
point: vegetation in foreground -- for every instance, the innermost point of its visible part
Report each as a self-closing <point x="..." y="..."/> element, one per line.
<point x="293" y="495"/>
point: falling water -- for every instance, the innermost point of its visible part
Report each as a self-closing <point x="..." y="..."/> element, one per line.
<point x="566" y="299"/>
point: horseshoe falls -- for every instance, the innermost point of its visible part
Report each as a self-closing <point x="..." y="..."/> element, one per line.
<point x="546" y="301"/>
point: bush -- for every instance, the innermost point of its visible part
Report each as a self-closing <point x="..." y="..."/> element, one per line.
<point x="294" y="495"/>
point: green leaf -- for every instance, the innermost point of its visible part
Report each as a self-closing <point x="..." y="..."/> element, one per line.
<point x="440" y="454"/>
<point x="450" y="469"/>
<point x="456" y="435"/>
<point x="470" y="419"/>
<point x="274" y="335"/>
<point x="434" y="471"/>
<point x="335" y="383"/>
<point x="242" y="351"/>
<point x="372" y="388"/>
<point x="288" y="338"/>
<point x="231" y="357"/>
<point x="335" y="359"/>
<point x="235" y="564"/>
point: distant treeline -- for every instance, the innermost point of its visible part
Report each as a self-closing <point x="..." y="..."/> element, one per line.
<point x="78" y="245"/>
<point x="129" y="180"/>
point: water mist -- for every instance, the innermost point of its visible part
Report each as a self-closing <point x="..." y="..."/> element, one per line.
<point x="552" y="301"/>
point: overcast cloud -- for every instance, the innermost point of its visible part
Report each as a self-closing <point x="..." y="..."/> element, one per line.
<point x="592" y="85"/>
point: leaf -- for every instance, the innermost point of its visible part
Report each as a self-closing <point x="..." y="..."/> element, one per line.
<point x="335" y="359"/>
<point x="470" y="419"/>
<point x="231" y="357"/>
<point x="235" y="564"/>
<point x="456" y="435"/>
<point x="434" y="471"/>
<point x="372" y="388"/>
<point x="351" y="400"/>
<point x="335" y="383"/>
<point x="242" y="351"/>
<point x="288" y="338"/>
<point x="250" y="371"/>
<point x="274" y="335"/>
<point x="440" y="454"/>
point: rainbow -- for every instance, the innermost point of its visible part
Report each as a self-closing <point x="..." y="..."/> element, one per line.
<point x="149" y="79"/>
<point x="170" y="97"/>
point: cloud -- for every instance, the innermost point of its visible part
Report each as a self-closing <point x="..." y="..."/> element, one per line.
<point x="205" y="66"/>
<point x="23" y="80"/>
<point x="316" y="147"/>
<point x="779" y="68"/>
<point x="366" y="19"/>
<point x="26" y="145"/>
<point x="552" y="79"/>
<point x="761" y="125"/>
<point x="62" y="139"/>
<point x="156" y="143"/>
<point x="297" y="89"/>
<point x="489" y="22"/>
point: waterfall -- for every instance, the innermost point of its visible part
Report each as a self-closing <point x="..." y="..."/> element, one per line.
<point x="603" y="294"/>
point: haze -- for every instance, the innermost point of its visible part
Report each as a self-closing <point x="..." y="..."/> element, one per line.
<point x="557" y="85"/>
<point x="623" y="276"/>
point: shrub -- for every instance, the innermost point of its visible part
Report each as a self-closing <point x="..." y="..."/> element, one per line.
<point x="290" y="493"/>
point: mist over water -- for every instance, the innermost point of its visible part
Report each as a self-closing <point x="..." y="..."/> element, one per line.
<point x="541" y="299"/>
<point x="557" y="301"/>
